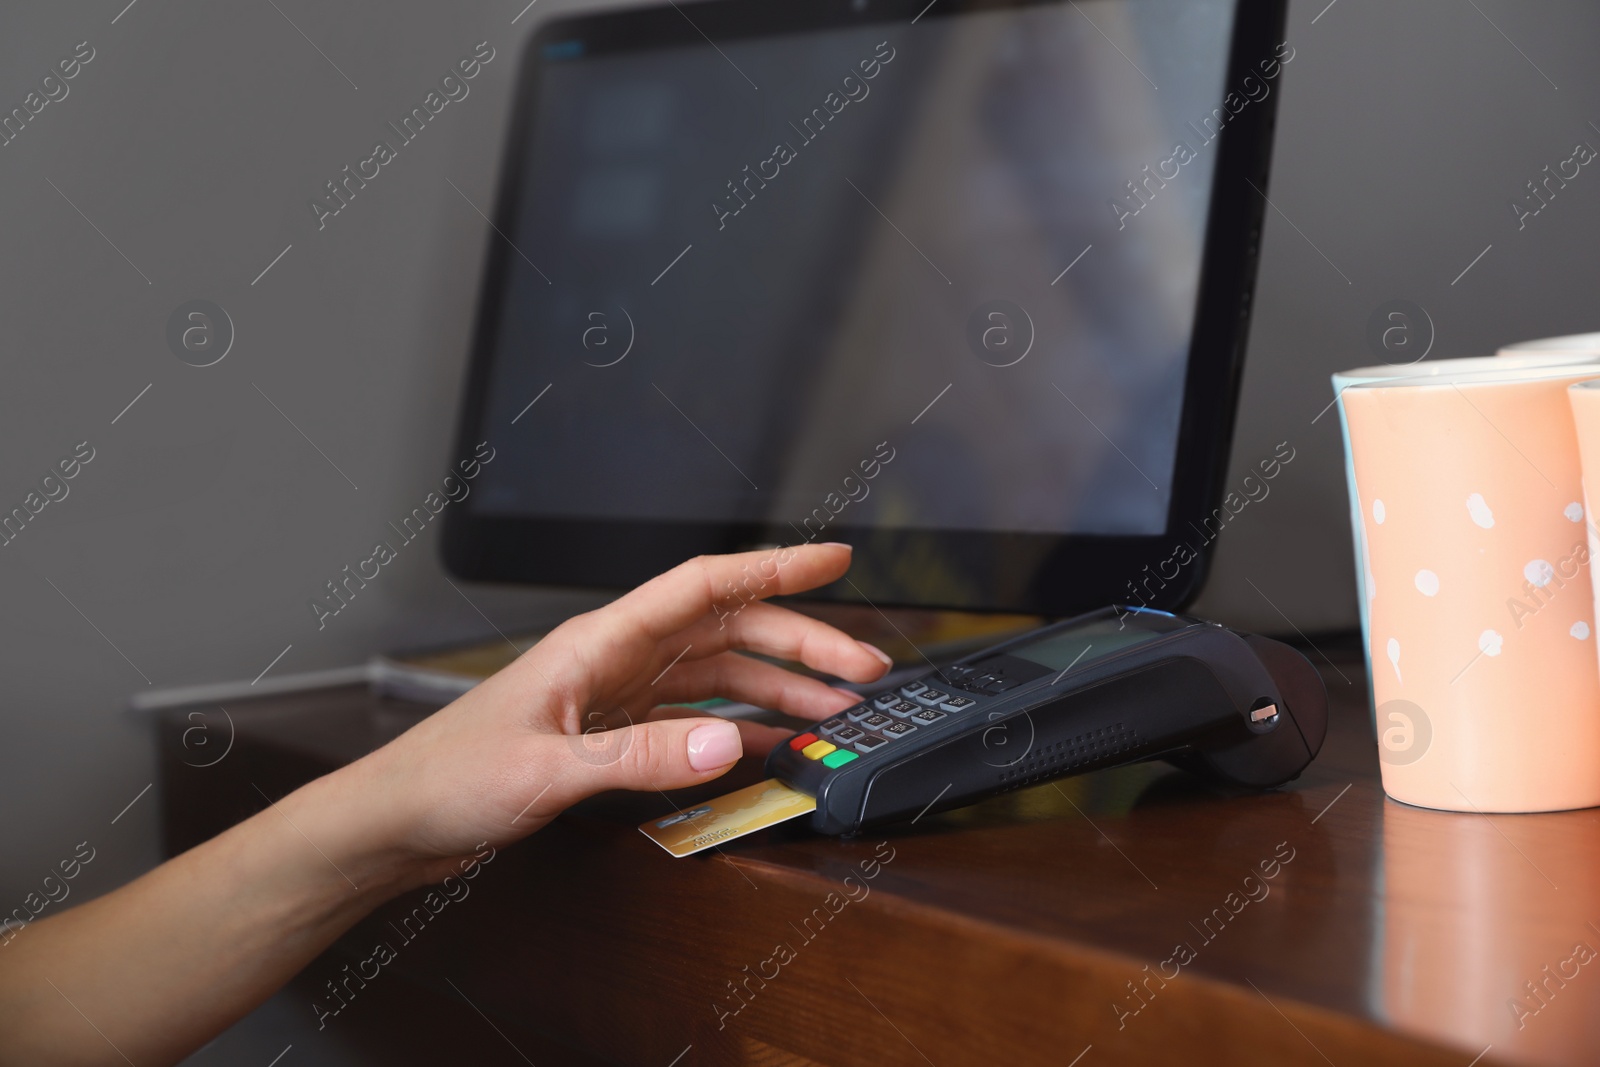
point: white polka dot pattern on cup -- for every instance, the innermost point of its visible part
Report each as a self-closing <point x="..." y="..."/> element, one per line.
<point x="1539" y="572"/>
<point x="1478" y="508"/>
<point x="1427" y="583"/>
<point x="1490" y="642"/>
<point x="1379" y="512"/>
<point x="1580" y="630"/>
<point x="1574" y="511"/>
<point x="1394" y="657"/>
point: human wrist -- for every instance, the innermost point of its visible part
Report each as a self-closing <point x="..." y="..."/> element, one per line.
<point x="342" y="814"/>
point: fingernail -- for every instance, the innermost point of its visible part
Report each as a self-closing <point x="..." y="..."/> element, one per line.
<point x="838" y="544"/>
<point x="880" y="653"/>
<point x="714" y="745"/>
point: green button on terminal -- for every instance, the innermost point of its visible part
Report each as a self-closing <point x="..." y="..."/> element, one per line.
<point x="839" y="758"/>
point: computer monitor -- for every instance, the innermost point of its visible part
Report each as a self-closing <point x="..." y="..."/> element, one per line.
<point x="962" y="283"/>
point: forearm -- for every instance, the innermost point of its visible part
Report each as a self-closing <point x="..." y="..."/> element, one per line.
<point x="153" y="970"/>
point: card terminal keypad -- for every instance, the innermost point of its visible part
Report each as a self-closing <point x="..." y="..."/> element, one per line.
<point x="951" y="693"/>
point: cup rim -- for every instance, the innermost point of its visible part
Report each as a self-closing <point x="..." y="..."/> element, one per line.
<point x="1567" y="342"/>
<point x="1585" y="370"/>
<point x="1441" y="367"/>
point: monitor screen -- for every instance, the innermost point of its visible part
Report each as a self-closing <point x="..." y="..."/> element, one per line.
<point x="931" y="276"/>
<point x="834" y="260"/>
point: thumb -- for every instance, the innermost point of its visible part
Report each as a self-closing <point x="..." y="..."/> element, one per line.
<point x="662" y="754"/>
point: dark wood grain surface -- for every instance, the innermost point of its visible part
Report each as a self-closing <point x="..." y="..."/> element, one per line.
<point x="1128" y="916"/>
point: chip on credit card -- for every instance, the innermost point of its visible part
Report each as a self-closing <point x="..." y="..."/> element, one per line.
<point x="739" y="813"/>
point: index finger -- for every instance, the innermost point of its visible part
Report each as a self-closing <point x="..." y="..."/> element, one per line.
<point x="672" y="601"/>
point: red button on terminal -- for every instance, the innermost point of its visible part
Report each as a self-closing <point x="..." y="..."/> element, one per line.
<point x="802" y="741"/>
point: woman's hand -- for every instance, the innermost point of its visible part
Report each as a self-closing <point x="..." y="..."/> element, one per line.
<point x="176" y="956"/>
<point x="589" y="708"/>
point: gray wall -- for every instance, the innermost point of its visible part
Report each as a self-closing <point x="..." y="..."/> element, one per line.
<point x="1405" y="130"/>
<point x="187" y="548"/>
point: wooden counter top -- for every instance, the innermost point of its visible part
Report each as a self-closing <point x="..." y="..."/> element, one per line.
<point x="1129" y="916"/>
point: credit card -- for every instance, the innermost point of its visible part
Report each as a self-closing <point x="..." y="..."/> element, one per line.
<point x="743" y="812"/>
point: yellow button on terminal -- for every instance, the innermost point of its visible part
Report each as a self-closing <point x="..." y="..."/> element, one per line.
<point x="817" y="749"/>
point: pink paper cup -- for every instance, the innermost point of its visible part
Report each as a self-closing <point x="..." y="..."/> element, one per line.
<point x="1585" y="401"/>
<point x="1481" y="613"/>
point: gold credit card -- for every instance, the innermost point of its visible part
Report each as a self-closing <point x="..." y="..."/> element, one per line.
<point x="743" y="812"/>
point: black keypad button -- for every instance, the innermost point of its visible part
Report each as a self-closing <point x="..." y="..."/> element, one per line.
<point x="957" y="703"/>
<point x="876" y="721"/>
<point x="861" y="712"/>
<point x="911" y="689"/>
<point x="846" y="736"/>
<point x="903" y="709"/>
<point x="898" y="729"/>
<point x="932" y="697"/>
<point x="868" y="743"/>
<point x="833" y="726"/>
<point x="885" y="700"/>
<point x="927" y="717"/>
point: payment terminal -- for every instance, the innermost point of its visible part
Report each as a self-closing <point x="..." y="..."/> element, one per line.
<point x="1116" y="686"/>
